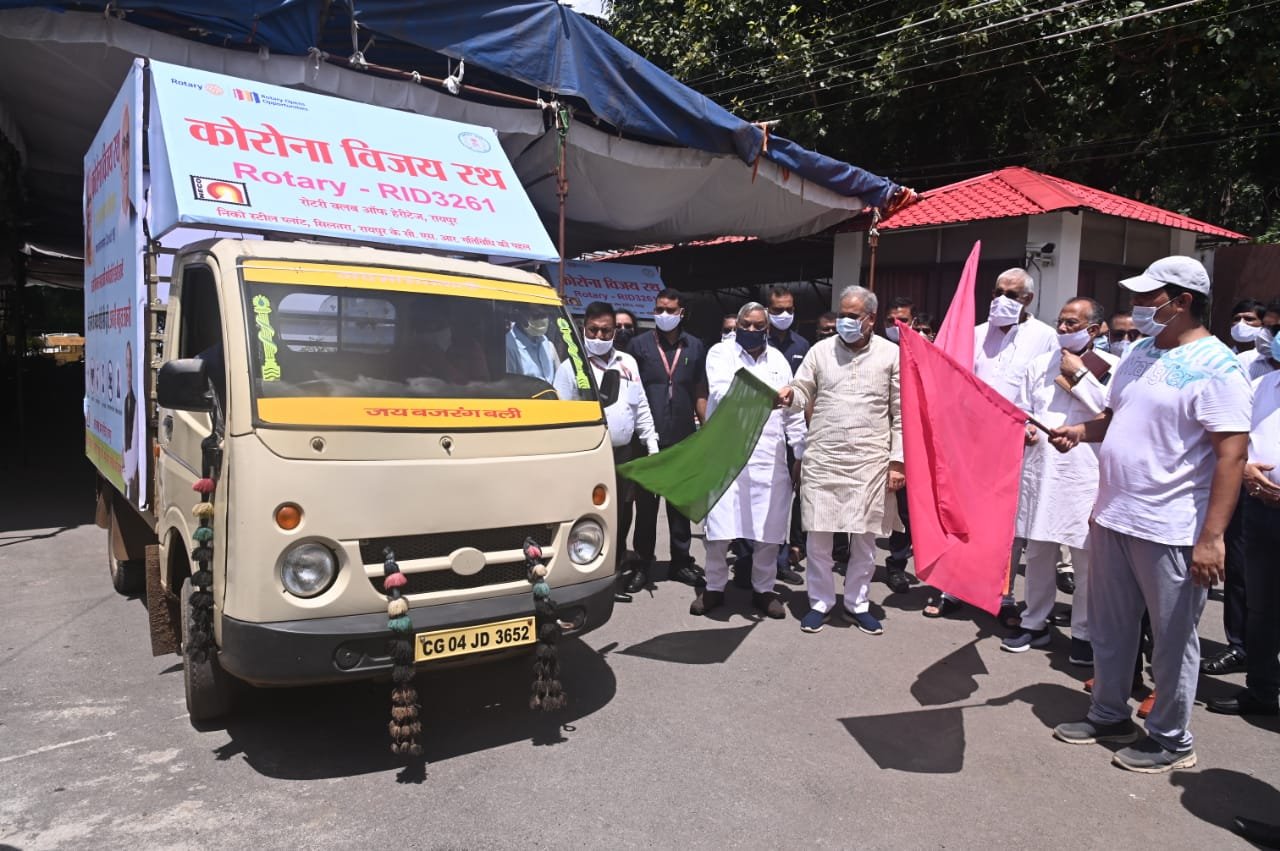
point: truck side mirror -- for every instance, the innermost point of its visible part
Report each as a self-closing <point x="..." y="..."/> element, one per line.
<point x="609" y="383"/>
<point x="183" y="386"/>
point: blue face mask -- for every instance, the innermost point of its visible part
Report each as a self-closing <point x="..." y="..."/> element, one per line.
<point x="1102" y="344"/>
<point x="850" y="330"/>
<point x="750" y="340"/>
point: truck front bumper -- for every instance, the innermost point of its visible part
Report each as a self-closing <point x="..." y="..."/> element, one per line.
<point x="354" y="647"/>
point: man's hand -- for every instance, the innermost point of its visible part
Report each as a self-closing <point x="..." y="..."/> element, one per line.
<point x="1207" y="559"/>
<point x="795" y="475"/>
<point x="785" y="395"/>
<point x="1066" y="438"/>
<point x="897" y="476"/>
<point x="1071" y="364"/>
<point x="1032" y="435"/>
<point x="1258" y="485"/>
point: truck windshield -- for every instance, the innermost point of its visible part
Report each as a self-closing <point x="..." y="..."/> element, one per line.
<point x="400" y="348"/>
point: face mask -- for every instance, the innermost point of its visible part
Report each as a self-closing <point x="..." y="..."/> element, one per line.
<point x="666" y="321"/>
<point x="599" y="348"/>
<point x="1004" y="311"/>
<point x="440" y="339"/>
<point x="1102" y="344"/>
<point x="892" y="333"/>
<point x="1075" y="341"/>
<point x="825" y="333"/>
<point x="782" y="321"/>
<point x="621" y="338"/>
<point x="1264" y="344"/>
<point x="537" y="327"/>
<point x="1243" y="332"/>
<point x="1118" y="349"/>
<point x="1144" y="319"/>
<point x="750" y="340"/>
<point x="850" y="330"/>
<point x="729" y="336"/>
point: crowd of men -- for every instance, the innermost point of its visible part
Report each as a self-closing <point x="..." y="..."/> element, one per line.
<point x="1156" y="481"/>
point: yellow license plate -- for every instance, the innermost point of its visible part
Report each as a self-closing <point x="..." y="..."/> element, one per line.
<point x="444" y="643"/>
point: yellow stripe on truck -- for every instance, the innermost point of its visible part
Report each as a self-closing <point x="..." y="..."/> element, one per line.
<point x="297" y="273"/>
<point x="426" y="413"/>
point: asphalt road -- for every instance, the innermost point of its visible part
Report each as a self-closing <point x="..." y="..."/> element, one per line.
<point x="681" y="732"/>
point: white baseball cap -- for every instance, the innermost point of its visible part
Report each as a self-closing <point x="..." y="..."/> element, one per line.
<point x="1185" y="272"/>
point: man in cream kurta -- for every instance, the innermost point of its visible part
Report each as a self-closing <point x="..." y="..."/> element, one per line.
<point x="1058" y="490"/>
<point x="757" y="505"/>
<point x="853" y="455"/>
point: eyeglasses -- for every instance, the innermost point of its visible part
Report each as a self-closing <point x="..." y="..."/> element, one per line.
<point x="667" y="309"/>
<point x="1132" y="334"/>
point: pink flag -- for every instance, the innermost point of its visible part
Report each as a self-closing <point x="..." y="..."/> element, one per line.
<point x="962" y="443"/>
<point x="955" y="337"/>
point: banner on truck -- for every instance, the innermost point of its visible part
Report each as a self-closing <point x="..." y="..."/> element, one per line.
<point x="621" y="285"/>
<point x="252" y="156"/>
<point x="114" y="298"/>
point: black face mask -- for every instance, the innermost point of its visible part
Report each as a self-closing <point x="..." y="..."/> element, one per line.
<point x="621" y="337"/>
<point x="750" y="340"/>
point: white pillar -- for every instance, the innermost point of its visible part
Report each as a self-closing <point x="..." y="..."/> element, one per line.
<point x="846" y="263"/>
<point x="1057" y="281"/>
<point x="1182" y="242"/>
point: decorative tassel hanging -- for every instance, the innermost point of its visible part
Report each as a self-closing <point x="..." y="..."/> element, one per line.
<point x="404" y="726"/>
<point x="201" y="638"/>
<point x="547" y="694"/>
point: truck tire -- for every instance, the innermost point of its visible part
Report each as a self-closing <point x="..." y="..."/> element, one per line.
<point x="128" y="576"/>
<point x="210" y="690"/>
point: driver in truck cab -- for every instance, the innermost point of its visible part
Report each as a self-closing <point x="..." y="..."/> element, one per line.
<point x="529" y="350"/>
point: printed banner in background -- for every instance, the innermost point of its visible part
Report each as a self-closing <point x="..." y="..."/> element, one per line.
<point x="233" y="153"/>
<point x="695" y="473"/>
<point x="114" y="296"/>
<point x="619" y="284"/>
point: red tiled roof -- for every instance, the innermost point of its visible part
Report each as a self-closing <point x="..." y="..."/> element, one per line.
<point x="1018" y="191"/>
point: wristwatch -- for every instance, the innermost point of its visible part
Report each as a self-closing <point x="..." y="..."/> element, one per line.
<point x="1078" y="375"/>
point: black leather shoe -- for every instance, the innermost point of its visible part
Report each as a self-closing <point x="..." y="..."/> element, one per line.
<point x="1067" y="581"/>
<point x="789" y="576"/>
<point x="896" y="579"/>
<point x="1258" y="832"/>
<point x="686" y="574"/>
<point x="1244" y="703"/>
<point x="622" y="597"/>
<point x="639" y="580"/>
<point x="1229" y="661"/>
<point x="706" y="601"/>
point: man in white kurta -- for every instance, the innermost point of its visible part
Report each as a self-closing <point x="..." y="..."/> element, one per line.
<point x="1058" y="490"/>
<point x="757" y="506"/>
<point x="853" y="455"/>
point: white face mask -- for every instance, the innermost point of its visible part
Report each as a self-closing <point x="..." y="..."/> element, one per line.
<point x="1119" y="348"/>
<point x="1004" y="311"/>
<point x="850" y="330"/>
<point x="1264" y="344"/>
<point x="1144" y="319"/>
<point x="1243" y="332"/>
<point x="1075" y="341"/>
<point x="666" y="321"/>
<point x="537" y="327"/>
<point x="782" y="321"/>
<point x="728" y="336"/>
<point x="892" y="333"/>
<point x="597" y="347"/>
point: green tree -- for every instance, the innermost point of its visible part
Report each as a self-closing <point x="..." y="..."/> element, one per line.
<point x="1173" y="103"/>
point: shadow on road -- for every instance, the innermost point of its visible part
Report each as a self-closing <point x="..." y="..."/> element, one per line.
<point x="694" y="646"/>
<point x="1217" y="795"/>
<point x="340" y="731"/>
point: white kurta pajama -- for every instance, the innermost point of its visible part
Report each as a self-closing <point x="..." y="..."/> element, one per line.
<point x="856" y="430"/>
<point x="1058" y="489"/>
<point x="757" y="505"/>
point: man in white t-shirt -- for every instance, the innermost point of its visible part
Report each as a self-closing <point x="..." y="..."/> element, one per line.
<point x="1003" y="347"/>
<point x="1174" y="438"/>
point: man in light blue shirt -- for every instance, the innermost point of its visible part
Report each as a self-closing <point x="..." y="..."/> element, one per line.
<point x="529" y="351"/>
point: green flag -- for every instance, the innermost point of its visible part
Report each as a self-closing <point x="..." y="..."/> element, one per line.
<point x="695" y="473"/>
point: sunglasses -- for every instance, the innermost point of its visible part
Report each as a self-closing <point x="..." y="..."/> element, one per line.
<point x="1132" y="334"/>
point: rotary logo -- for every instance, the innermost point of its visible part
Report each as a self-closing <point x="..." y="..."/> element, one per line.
<point x="474" y="142"/>
<point x="213" y="88"/>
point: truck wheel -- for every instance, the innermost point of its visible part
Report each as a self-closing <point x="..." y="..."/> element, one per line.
<point x="128" y="576"/>
<point x="210" y="690"/>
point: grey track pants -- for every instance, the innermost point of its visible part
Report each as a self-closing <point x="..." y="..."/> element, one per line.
<point x="1127" y="575"/>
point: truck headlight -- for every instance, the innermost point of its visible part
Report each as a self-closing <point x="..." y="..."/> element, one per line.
<point x="308" y="569"/>
<point x="586" y="539"/>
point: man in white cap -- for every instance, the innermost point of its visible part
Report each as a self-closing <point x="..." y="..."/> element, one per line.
<point x="1174" y="437"/>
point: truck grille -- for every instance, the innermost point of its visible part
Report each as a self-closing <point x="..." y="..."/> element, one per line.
<point x="441" y="544"/>
<point x="431" y="581"/>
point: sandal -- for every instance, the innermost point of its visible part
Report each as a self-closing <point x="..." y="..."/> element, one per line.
<point x="941" y="606"/>
<point x="1229" y="661"/>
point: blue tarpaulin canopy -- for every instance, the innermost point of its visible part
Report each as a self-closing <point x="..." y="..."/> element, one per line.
<point x="682" y="166"/>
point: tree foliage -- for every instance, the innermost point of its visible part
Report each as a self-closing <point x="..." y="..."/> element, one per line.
<point x="1175" y="103"/>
